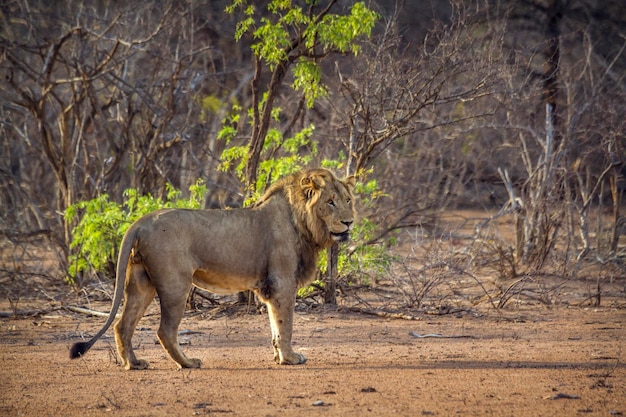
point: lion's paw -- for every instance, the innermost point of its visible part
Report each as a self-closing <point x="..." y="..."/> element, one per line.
<point x="191" y="363"/>
<point x="293" y="359"/>
<point x="139" y="364"/>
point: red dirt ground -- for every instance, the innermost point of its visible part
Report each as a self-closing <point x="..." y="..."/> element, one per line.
<point x="529" y="361"/>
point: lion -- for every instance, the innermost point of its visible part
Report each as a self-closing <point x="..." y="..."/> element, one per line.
<point x="270" y="248"/>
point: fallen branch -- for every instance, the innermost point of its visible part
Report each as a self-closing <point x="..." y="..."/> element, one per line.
<point x="39" y="312"/>
<point x="561" y="395"/>
<point x="440" y="336"/>
<point x="89" y="312"/>
<point x="28" y="313"/>
<point x="378" y="313"/>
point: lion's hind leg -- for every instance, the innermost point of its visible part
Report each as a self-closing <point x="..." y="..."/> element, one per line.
<point x="138" y="293"/>
<point x="173" y="303"/>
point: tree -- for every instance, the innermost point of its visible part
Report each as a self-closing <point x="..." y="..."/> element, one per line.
<point x="294" y="38"/>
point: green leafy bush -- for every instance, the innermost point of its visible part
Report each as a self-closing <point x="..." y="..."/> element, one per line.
<point x="101" y="224"/>
<point x="357" y="264"/>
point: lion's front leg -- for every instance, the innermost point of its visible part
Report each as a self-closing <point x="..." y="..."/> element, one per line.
<point x="280" y="311"/>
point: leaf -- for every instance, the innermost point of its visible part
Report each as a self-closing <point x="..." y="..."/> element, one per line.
<point x="308" y="79"/>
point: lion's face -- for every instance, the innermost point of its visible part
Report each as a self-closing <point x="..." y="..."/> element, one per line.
<point x="330" y="206"/>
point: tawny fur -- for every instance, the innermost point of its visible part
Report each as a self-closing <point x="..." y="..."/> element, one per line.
<point x="270" y="249"/>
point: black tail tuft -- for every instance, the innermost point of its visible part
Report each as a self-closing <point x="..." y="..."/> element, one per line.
<point x="79" y="349"/>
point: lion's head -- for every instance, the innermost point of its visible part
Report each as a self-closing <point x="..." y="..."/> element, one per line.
<point x="323" y="205"/>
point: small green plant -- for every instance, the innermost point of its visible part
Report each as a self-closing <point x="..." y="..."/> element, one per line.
<point x="101" y="224"/>
<point x="363" y="259"/>
<point x="366" y="257"/>
<point x="306" y="291"/>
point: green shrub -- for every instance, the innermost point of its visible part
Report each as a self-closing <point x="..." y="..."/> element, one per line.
<point x="101" y="224"/>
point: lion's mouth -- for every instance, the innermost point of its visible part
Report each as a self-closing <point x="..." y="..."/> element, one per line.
<point x="340" y="237"/>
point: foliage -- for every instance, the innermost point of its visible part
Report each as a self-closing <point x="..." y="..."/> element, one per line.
<point x="319" y="35"/>
<point x="365" y="256"/>
<point x="437" y="103"/>
<point x="368" y="255"/>
<point x="289" y="36"/>
<point x="102" y="224"/>
<point x="271" y="168"/>
<point x="284" y="36"/>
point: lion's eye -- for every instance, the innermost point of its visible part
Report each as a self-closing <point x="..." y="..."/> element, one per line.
<point x="348" y="201"/>
<point x="331" y="203"/>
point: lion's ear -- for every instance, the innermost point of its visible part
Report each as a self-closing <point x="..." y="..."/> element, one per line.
<point x="350" y="181"/>
<point x="310" y="184"/>
<point x="307" y="186"/>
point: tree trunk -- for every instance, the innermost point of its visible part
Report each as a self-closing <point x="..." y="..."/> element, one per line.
<point x="261" y="121"/>
<point x="552" y="54"/>
<point x="331" y="275"/>
<point x="615" y="196"/>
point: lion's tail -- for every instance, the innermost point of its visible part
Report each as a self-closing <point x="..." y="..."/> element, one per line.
<point x="80" y="348"/>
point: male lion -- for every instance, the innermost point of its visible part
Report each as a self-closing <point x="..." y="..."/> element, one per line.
<point x="270" y="249"/>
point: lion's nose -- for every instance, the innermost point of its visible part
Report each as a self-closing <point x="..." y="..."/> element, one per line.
<point x="347" y="222"/>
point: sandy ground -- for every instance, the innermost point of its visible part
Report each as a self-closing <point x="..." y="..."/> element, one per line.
<point x="530" y="361"/>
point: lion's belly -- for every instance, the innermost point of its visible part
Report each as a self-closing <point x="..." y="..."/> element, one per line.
<point x="220" y="283"/>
